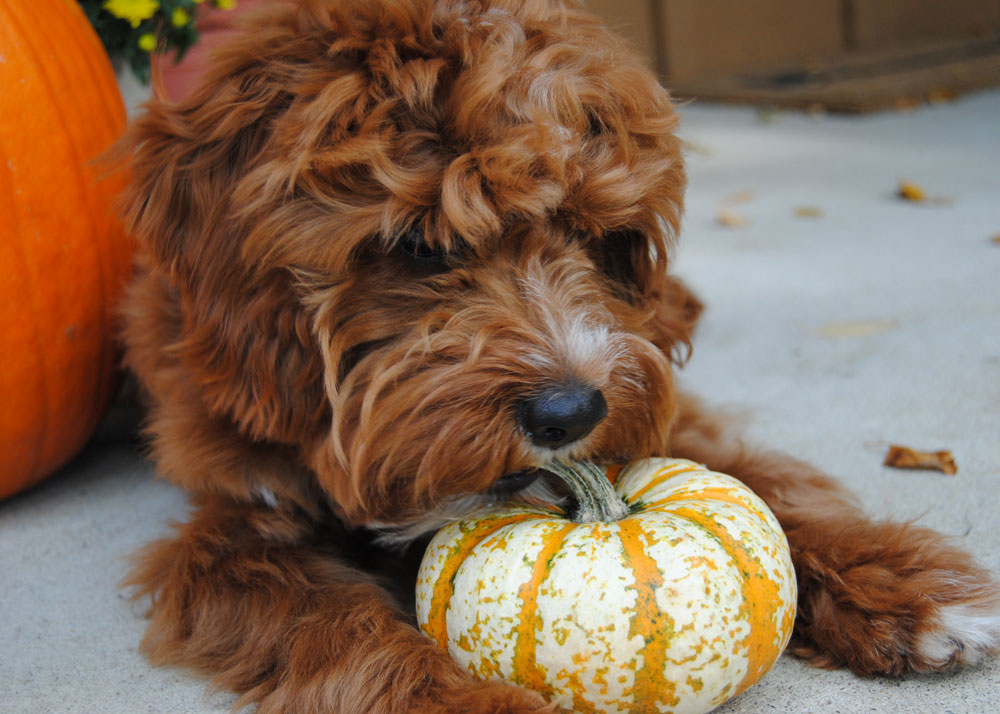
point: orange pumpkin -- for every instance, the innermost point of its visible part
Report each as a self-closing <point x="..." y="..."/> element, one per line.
<point x="63" y="255"/>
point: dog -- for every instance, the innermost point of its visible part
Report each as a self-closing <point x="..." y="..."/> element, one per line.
<point x="395" y="256"/>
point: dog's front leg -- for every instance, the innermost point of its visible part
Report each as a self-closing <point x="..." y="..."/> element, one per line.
<point x="878" y="597"/>
<point x="262" y="601"/>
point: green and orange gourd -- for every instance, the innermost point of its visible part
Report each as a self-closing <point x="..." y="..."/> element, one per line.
<point x="670" y="591"/>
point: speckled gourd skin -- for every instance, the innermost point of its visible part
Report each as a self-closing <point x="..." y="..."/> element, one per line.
<point x="677" y="607"/>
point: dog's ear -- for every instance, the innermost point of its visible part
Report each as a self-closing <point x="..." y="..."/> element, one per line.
<point x="676" y="315"/>
<point x="637" y="270"/>
<point x="184" y="159"/>
<point x="242" y="331"/>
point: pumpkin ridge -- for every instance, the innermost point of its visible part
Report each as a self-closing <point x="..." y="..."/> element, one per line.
<point x="110" y="95"/>
<point x="43" y="76"/>
<point x="761" y="642"/>
<point x="529" y="674"/>
<point x="661" y="476"/>
<point x="437" y="624"/>
<point x="597" y="532"/>
<point x="715" y="494"/>
<point x="88" y="188"/>
<point x="17" y="251"/>
<point x="650" y="686"/>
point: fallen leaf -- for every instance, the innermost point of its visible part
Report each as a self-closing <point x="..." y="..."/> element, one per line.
<point x="909" y="191"/>
<point x="995" y="240"/>
<point x="808" y="212"/>
<point x="856" y="328"/>
<point x="903" y="457"/>
<point x="731" y="219"/>
<point x="741" y="197"/>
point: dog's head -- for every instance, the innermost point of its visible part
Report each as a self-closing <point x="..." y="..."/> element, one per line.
<point x="423" y="243"/>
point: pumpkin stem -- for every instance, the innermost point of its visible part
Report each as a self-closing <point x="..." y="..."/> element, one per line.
<point x="596" y="498"/>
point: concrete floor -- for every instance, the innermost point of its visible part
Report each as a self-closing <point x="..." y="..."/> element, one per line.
<point x="877" y="322"/>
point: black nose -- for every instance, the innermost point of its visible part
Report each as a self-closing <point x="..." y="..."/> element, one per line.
<point x="563" y="414"/>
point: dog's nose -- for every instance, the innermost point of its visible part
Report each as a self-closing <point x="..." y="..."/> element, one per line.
<point x="562" y="414"/>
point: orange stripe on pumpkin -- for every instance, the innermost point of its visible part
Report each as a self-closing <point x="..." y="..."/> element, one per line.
<point x="444" y="588"/>
<point x="662" y="476"/>
<point x="526" y="669"/>
<point x="714" y="494"/>
<point x="763" y="644"/>
<point x="650" y="688"/>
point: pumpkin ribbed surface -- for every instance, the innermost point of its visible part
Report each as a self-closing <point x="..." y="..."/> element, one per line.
<point x="677" y="607"/>
<point x="63" y="256"/>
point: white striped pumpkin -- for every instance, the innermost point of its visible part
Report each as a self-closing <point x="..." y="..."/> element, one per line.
<point x="678" y="606"/>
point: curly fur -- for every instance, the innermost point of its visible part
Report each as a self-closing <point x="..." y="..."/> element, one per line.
<point x="311" y="380"/>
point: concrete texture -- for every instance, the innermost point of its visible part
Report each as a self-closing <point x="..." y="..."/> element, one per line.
<point x="878" y="322"/>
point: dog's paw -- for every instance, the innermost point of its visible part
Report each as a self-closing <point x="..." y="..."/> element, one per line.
<point x="961" y="633"/>
<point x="905" y="601"/>
<point x="493" y="698"/>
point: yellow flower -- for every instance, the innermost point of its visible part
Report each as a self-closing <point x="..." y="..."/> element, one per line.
<point x="225" y="4"/>
<point x="147" y="42"/>
<point x="180" y="17"/>
<point x="135" y="11"/>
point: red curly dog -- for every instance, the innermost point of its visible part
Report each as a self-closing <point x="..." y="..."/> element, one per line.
<point x="396" y="256"/>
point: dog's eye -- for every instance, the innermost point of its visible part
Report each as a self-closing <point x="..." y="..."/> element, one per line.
<point x="413" y="244"/>
<point x="624" y="257"/>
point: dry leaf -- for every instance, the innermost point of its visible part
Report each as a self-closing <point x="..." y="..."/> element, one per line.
<point x="741" y="197"/>
<point x="855" y="328"/>
<point x="995" y="239"/>
<point x="903" y="457"/>
<point x="808" y="212"/>
<point x="909" y="191"/>
<point x="730" y="219"/>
